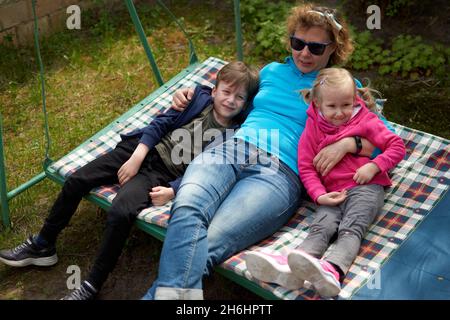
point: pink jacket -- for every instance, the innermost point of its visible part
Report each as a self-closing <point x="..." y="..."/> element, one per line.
<point x="319" y="133"/>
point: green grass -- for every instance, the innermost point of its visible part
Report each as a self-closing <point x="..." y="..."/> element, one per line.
<point x="93" y="76"/>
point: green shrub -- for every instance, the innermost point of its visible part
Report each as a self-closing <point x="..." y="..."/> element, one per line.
<point x="264" y="23"/>
<point x="368" y="51"/>
<point x="408" y="56"/>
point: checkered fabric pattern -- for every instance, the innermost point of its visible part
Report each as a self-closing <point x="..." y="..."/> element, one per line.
<point x="418" y="183"/>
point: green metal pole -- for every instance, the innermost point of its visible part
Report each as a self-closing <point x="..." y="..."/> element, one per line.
<point x="47" y="160"/>
<point x="237" y="20"/>
<point x="3" y="192"/>
<point x="144" y="42"/>
<point x="192" y="55"/>
<point x="38" y="178"/>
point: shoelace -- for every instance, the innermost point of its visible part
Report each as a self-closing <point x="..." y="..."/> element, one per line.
<point x="27" y="243"/>
<point x="81" y="294"/>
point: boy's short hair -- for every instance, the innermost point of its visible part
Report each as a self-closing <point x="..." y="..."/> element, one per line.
<point x="239" y="73"/>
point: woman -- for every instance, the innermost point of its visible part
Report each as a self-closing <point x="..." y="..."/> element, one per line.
<point x="244" y="190"/>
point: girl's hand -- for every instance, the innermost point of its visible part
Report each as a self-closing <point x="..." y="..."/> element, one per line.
<point x="329" y="156"/>
<point x="161" y="195"/>
<point x="181" y="98"/>
<point x="128" y="170"/>
<point x="366" y="173"/>
<point x="332" y="198"/>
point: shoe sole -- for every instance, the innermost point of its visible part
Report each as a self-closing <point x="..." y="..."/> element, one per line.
<point x="310" y="269"/>
<point x="41" y="262"/>
<point x="263" y="268"/>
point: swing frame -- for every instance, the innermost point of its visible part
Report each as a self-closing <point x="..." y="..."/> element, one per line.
<point x="5" y="195"/>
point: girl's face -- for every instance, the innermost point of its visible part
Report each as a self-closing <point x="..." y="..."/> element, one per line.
<point x="304" y="59"/>
<point x="336" y="104"/>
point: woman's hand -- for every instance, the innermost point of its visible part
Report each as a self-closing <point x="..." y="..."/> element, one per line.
<point x="329" y="156"/>
<point x="366" y="173"/>
<point x="181" y="98"/>
<point x="161" y="195"/>
<point x="332" y="198"/>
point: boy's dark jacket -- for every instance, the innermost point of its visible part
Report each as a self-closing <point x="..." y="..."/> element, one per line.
<point x="170" y="120"/>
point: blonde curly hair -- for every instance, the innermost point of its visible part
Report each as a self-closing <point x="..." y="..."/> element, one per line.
<point x="301" y="17"/>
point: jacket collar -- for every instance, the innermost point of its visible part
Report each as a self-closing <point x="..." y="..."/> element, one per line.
<point x="289" y="61"/>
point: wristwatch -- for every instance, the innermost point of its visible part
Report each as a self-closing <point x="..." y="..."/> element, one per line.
<point x="358" y="144"/>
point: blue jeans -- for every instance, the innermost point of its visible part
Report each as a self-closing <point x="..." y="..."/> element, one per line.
<point x="231" y="196"/>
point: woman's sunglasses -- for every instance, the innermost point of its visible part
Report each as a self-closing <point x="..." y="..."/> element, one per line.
<point x="315" y="48"/>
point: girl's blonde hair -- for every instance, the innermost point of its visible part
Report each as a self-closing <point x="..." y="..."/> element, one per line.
<point x="306" y="16"/>
<point x="337" y="77"/>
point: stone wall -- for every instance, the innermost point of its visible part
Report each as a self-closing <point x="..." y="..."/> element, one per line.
<point x="17" y="22"/>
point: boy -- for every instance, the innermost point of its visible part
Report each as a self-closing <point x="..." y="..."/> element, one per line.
<point x="141" y="163"/>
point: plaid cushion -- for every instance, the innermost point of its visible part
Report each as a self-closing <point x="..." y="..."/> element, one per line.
<point x="418" y="183"/>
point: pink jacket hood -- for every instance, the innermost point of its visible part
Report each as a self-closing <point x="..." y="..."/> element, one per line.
<point x="328" y="128"/>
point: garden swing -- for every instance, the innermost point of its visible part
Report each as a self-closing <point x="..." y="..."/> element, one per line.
<point x="404" y="255"/>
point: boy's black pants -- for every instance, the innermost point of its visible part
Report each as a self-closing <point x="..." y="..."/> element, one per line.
<point x="129" y="201"/>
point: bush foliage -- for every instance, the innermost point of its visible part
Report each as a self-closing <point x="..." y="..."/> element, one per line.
<point x="406" y="56"/>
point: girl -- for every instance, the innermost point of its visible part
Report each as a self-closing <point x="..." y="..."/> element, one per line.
<point x="351" y="194"/>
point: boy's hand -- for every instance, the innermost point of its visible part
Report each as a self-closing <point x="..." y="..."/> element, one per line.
<point x="329" y="156"/>
<point x="332" y="198"/>
<point x="161" y="195"/>
<point x="128" y="170"/>
<point x="366" y="173"/>
<point x="181" y="98"/>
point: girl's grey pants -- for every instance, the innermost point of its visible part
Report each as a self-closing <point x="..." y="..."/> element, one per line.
<point x="350" y="220"/>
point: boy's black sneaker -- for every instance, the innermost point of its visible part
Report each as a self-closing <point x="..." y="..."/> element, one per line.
<point x="29" y="253"/>
<point x="85" y="292"/>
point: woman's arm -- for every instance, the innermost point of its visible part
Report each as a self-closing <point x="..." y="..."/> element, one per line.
<point x="329" y="156"/>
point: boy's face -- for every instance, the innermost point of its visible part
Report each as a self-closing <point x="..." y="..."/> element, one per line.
<point x="228" y="101"/>
<point x="336" y="104"/>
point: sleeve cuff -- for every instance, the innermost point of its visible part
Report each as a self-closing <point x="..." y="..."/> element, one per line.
<point x="380" y="164"/>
